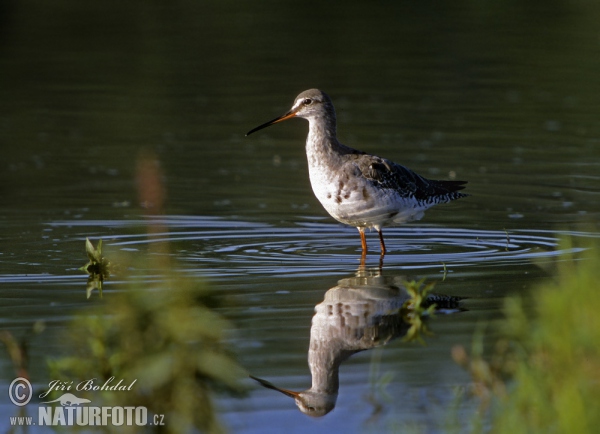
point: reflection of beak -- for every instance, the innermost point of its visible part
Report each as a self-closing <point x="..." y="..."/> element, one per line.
<point x="268" y="385"/>
<point x="288" y="115"/>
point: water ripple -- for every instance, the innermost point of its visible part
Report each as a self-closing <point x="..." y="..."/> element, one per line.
<point x="310" y="246"/>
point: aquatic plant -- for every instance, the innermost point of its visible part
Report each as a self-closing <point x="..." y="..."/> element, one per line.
<point x="98" y="267"/>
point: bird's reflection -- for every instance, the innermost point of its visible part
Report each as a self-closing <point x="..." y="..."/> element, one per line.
<point x="357" y="314"/>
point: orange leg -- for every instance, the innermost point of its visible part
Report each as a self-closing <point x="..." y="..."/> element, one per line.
<point x="381" y="242"/>
<point x="363" y="240"/>
<point x="363" y="259"/>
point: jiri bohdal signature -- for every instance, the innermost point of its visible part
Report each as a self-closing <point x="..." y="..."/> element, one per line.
<point x="93" y="384"/>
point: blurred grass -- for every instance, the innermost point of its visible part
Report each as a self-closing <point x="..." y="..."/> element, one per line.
<point x="543" y="376"/>
<point x="167" y="338"/>
<point x="159" y="330"/>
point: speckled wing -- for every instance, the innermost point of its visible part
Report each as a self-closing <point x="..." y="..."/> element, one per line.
<point x="407" y="183"/>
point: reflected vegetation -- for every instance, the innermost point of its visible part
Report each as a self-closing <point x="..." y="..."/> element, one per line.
<point x="358" y="314"/>
<point x="98" y="267"/>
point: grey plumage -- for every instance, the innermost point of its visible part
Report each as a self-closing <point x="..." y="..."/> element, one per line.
<point x="358" y="189"/>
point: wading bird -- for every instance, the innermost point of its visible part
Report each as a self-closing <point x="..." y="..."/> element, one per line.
<point x="358" y="189"/>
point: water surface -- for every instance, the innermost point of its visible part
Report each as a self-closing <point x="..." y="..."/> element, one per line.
<point x="505" y="96"/>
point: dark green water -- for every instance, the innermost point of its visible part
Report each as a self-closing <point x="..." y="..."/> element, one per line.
<point x="504" y="95"/>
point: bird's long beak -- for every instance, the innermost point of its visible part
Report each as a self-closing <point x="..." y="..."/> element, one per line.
<point x="269" y="385"/>
<point x="282" y="118"/>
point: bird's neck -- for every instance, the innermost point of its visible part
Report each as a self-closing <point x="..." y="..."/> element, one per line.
<point x="324" y="360"/>
<point x="322" y="138"/>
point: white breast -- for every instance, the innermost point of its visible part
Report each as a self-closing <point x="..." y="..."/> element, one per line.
<point x="353" y="200"/>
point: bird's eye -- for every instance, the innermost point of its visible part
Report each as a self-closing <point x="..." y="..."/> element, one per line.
<point x="307" y="101"/>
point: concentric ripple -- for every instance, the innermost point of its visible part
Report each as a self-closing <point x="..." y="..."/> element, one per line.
<point x="310" y="246"/>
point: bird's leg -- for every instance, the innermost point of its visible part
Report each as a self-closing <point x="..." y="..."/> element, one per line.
<point x="381" y="242"/>
<point x="362" y="267"/>
<point x="363" y="240"/>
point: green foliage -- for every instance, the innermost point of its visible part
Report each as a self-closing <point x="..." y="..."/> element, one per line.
<point x="416" y="308"/>
<point x="97" y="267"/>
<point x="166" y="338"/>
<point x="552" y="355"/>
<point x="557" y="376"/>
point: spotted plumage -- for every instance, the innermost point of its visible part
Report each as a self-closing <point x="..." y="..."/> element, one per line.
<point x="358" y="189"/>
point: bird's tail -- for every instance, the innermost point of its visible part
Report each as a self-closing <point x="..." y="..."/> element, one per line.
<point x="452" y="186"/>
